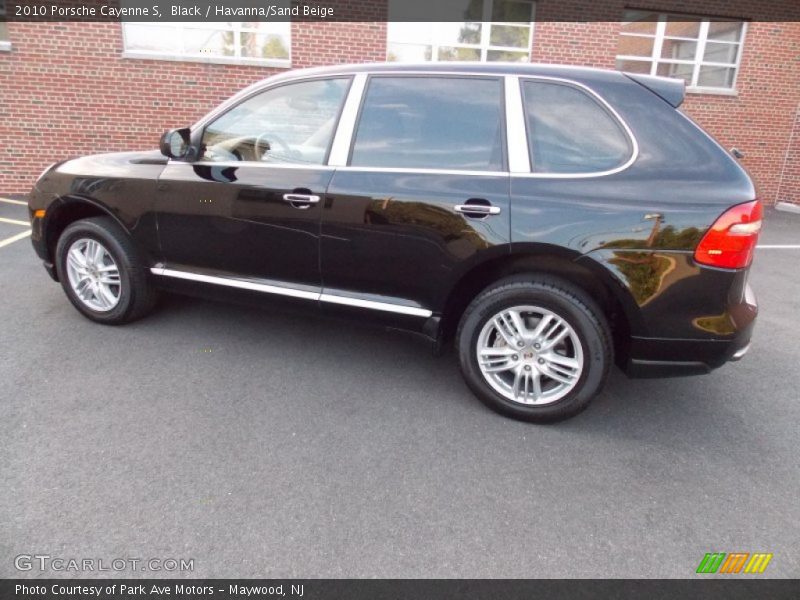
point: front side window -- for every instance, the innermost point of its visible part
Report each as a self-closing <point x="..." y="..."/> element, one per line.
<point x="492" y="30"/>
<point x="431" y="123"/>
<point x="263" y="43"/>
<point x="291" y="123"/>
<point x="704" y="52"/>
<point x="570" y="132"/>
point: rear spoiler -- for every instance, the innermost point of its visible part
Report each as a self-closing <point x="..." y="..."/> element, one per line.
<point x="671" y="90"/>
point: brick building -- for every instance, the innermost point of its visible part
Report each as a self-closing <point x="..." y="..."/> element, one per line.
<point x="71" y="88"/>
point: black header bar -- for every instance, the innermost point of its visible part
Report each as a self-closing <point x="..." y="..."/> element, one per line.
<point x="379" y="10"/>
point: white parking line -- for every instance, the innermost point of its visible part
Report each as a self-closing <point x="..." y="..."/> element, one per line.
<point x="779" y="246"/>
<point x="10" y="201"/>
<point x="15" y="238"/>
<point x="14" y="222"/>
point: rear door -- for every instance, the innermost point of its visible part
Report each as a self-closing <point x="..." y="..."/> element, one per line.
<point x="420" y="194"/>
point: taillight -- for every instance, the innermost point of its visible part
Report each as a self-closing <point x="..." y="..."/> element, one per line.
<point x="731" y="240"/>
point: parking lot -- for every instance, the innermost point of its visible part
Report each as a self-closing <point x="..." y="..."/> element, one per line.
<point x="263" y="444"/>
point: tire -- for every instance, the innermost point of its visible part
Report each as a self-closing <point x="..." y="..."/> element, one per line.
<point x="131" y="298"/>
<point x="569" y="372"/>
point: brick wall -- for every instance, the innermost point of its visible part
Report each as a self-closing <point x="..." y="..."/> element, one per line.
<point x="68" y="91"/>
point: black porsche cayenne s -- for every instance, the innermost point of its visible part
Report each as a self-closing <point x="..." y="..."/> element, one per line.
<point x="549" y="220"/>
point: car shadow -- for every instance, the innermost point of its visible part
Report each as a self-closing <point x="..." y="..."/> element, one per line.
<point x="657" y="412"/>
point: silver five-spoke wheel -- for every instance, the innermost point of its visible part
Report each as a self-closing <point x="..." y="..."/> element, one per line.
<point x="93" y="275"/>
<point x="530" y="355"/>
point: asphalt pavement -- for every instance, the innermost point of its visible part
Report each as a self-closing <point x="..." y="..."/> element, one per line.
<point x="263" y="444"/>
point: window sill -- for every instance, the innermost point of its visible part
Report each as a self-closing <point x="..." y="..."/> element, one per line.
<point x="711" y="91"/>
<point x="216" y="60"/>
<point x="5" y="46"/>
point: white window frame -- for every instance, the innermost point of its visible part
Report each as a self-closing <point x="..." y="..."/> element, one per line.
<point x="237" y="58"/>
<point x="5" y="45"/>
<point x="484" y="45"/>
<point x="692" y="86"/>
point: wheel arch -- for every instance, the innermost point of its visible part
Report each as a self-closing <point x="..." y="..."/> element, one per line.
<point x="64" y="211"/>
<point x="542" y="259"/>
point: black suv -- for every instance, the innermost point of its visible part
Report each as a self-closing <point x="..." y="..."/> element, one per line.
<point x="551" y="220"/>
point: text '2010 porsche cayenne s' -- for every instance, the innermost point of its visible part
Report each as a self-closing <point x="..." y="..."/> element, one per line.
<point x="549" y="221"/>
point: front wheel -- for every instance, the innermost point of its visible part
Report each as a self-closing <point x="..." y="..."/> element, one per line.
<point x="534" y="349"/>
<point x="102" y="273"/>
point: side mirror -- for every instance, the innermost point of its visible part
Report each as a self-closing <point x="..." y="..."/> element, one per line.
<point x="175" y="143"/>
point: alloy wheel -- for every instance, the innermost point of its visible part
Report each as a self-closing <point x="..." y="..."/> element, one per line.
<point x="93" y="275"/>
<point x="530" y="355"/>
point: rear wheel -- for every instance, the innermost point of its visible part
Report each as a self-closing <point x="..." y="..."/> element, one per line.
<point x="536" y="349"/>
<point x="102" y="273"/>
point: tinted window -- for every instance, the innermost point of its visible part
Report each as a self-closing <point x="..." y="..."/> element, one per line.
<point x="291" y="123"/>
<point x="571" y="132"/>
<point x="431" y="123"/>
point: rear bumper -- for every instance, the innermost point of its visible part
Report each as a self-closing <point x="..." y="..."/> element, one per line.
<point x="667" y="357"/>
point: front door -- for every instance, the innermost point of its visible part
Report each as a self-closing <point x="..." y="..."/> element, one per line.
<point x="250" y="207"/>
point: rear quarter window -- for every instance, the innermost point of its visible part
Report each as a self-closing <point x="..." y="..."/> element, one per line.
<point x="431" y="123"/>
<point x="571" y="132"/>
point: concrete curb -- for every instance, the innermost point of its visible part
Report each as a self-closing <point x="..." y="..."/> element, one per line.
<point x="788" y="207"/>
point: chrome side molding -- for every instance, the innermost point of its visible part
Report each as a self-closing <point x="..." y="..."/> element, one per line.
<point x="320" y="296"/>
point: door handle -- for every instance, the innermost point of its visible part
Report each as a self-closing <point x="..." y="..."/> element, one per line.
<point x="301" y="198"/>
<point x="477" y="209"/>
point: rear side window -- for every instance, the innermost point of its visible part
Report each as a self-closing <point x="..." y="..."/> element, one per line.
<point x="431" y="123"/>
<point x="569" y="131"/>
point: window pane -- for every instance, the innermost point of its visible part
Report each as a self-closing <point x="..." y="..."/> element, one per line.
<point x="685" y="27"/>
<point x="408" y="53"/>
<point x="292" y="123"/>
<point x="716" y="77"/>
<point x="466" y="54"/>
<point x="152" y="38"/>
<point x="512" y="11"/>
<point x="676" y="70"/>
<point x="468" y="39"/>
<point x="427" y="122"/>
<point x="506" y="56"/>
<point x="636" y="21"/>
<point x="634" y="66"/>
<point x="415" y="33"/>
<point x="209" y="42"/>
<point x="725" y="31"/>
<point x="510" y="36"/>
<point x="569" y="132"/>
<point x="3" y="32"/>
<point x="678" y="49"/>
<point x="458" y="33"/>
<point x="630" y="45"/>
<point x="719" y="52"/>
<point x="256" y="45"/>
<point x="268" y="41"/>
<point x="680" y="44"/>
<point x="466" y="10"/>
